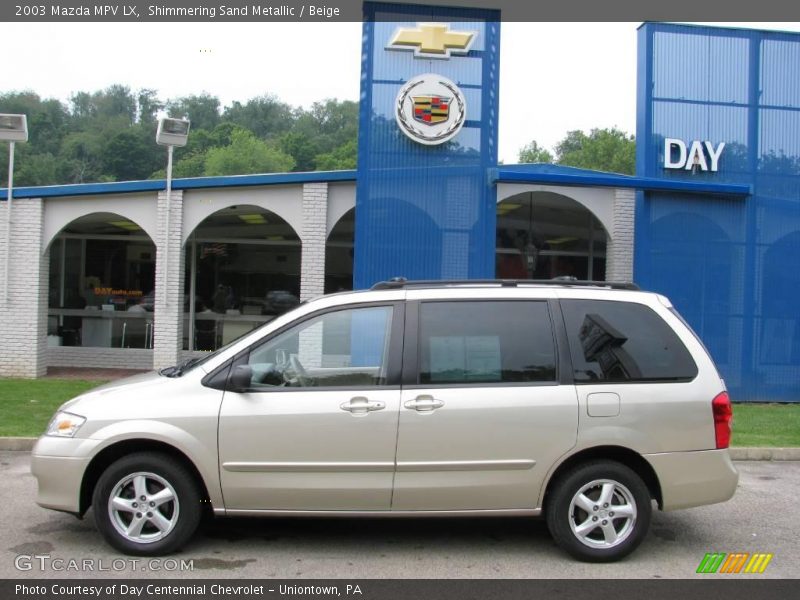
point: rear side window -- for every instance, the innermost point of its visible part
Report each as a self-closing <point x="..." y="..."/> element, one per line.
<point x="486" y="342"/>
<point x="622" y="341"/>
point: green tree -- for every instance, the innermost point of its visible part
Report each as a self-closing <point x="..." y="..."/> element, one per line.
<point x="109" y="135"/>
<point x="202" y="110"/>
<point x="116" y="101"/>
<point x="127" y="155"/>
<point x="246" y="154"/>
<point x="302" y="147"/>
<point x="193" y="165"/>
<point x="190" y="161"/>
<point x="149" y="105"/>
<point x="47" y="126"/>
<point x="610" y="150"/>
<point x="534" y="153"/>
<point x="343" y="157"/>
<point x="265" y="116"/>
<point x="30" y="168"/>
<point x="327" y="125"/>
<point x="82" y="153"/>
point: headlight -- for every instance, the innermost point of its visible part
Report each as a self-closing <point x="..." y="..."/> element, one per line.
<point x="65" y="424"/>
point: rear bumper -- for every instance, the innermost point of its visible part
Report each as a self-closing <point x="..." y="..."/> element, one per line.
<point x="59" y="465"/>
<point x="690" y="479"/>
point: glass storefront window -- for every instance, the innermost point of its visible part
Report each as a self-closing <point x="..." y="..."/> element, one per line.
<point x="242" y="269"/>
<point x="101" y="284"/>
<point x="339" y="254"/>
<point x="542" y="235"/>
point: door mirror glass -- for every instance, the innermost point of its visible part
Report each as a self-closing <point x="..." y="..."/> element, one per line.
<point x="240" y="378"/>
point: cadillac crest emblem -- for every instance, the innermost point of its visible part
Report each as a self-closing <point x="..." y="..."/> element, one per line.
<point x="430" y="109"/>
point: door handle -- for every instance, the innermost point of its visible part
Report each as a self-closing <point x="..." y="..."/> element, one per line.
<point x="424" y="403"/>
<point x="361" y="405"/>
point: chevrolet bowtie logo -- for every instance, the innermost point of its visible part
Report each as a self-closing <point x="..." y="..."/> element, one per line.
<point x="432" y="40"/>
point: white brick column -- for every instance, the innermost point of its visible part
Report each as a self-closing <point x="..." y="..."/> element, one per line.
<point x="619" y="253"/>
<point x="313" y="237"/>
<point x="23" y="314"/>
<point x="168" y="324"/>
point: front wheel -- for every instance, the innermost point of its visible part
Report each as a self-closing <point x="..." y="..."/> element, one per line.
<point x="599" y="511"/>
<point x="146" y="504"/>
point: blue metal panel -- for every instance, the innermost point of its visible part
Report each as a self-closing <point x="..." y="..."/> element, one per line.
<point x="730" y="266"/>
<point x="425" y="212"/>
<point x="556" y="174"/>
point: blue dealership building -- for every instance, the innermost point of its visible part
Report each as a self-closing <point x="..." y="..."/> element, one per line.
<point x="711" y="218"/>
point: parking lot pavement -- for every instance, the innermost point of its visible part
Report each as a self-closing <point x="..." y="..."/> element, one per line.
<point x="762" y="517"/>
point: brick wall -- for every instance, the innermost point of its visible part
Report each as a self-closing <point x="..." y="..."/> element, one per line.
<point x="619" y="253"/>
<point x="23" y="298"/>
<point x="313" y="237"/>
<point x="106" y="358"/>
<point x="168" y="323"/>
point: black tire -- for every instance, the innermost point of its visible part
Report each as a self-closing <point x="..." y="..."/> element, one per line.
<point x="154" y="469"/>
<point x="596" y="543"/>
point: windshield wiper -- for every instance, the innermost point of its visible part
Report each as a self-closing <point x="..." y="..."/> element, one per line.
<point x="177" y="370"/>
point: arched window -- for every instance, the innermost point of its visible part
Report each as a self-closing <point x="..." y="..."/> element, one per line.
<point x="101" y="284"/>
<point x="541" y="235"/>
<point x="242" y="269"/>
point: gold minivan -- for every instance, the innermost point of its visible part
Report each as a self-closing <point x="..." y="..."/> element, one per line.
<point x="582" y="402"/>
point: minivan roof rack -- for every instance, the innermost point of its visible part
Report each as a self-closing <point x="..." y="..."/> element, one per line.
<point x="397" y="283"/>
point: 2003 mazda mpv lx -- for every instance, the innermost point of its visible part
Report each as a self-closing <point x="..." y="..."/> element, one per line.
<point x="580" y="401"/>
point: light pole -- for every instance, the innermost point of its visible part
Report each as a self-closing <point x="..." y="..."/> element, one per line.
<point x="13" y="128"/>
<point x="171" y="133"/>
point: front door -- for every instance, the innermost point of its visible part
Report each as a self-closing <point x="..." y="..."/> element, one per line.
<point x="317" y="428"/>
<point x="482" y="415"/>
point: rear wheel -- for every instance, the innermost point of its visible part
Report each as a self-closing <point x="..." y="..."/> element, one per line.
<point x="146" y="504"/>
<point x="599" y="511"/>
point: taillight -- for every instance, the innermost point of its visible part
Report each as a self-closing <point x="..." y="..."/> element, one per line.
<point x="723" y="416"/>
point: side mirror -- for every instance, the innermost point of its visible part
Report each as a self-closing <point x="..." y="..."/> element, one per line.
<point x="240" y="378"/>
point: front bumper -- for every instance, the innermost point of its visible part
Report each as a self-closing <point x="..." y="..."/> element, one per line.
<point x="694" y="478"/>
<point x="59" y="465"/>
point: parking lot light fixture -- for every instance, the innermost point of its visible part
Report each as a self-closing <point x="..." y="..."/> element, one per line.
<point x="13" y="128"/>
<point x="171" y="132"/>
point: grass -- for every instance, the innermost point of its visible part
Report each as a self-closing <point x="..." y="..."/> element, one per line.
<point x="775" y="425"/>
<point x="26" y="406"/>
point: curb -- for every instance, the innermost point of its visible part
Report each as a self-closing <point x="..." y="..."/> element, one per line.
<point x="25" y="444"/>
<point x="17" y="444"/>
<point x="765" y="453"/>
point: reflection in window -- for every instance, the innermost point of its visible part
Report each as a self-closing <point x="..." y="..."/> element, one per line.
<point x="623" y="341"/>
<point x="346" y="348"/>
<point x="542" y="235"/>
<point x="101" y="284"/>
<point x="242" y="270"/>
<point x="603" y="344"/>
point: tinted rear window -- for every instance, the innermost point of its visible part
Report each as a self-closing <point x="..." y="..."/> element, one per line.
<point x="622" y="341"/>
<point x="486" y="342"/>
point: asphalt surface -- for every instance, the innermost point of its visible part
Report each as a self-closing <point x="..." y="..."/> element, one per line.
<point x="762" y="517"/>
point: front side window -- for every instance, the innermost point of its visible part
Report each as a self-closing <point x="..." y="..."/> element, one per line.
<point x="345" y="348"/>
<point x="623" y="342"/>
<point x="485" y="342"/>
